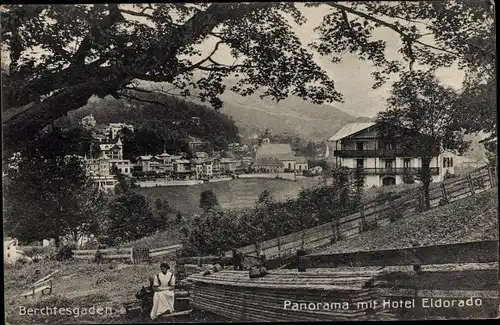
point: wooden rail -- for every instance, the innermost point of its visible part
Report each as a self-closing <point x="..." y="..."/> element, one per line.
<point x="134" y="254"/>
<point x="471" y="252"/>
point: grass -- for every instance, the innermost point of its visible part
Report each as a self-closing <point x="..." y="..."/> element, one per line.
<point x="472" y="219"/>
<point x="238" y="193"/>
<point x="78" y="284"/>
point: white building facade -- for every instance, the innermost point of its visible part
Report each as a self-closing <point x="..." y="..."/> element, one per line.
<point x="358" y="145"/>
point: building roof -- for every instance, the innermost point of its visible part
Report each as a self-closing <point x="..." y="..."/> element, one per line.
<point x="165" y="154"/>
<point x="268" y="162"/>
<point x="181" y="161"/>
<point x="119" y="142"/>
<point x="227" y="160"/>
<point x="282" y="151"/>
<point x="300" y="160"/>
<point x="106" y="146"/>
<point x="144" y="157"/>
<point x="201" y="154"/>
<point x="199" y="161"/>
<point x="350" y="129"/>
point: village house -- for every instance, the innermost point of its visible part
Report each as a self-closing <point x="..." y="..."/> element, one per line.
<point x="100" y="171"/>
<point x="182" y="168"/>
<point x="280" y="151"/>
<point x="113" y="130"/>
<point x="268" y="165"/>
<point x="228" y="165"/>
<point x="359" y="145"/>
<point x="202" y="168"/>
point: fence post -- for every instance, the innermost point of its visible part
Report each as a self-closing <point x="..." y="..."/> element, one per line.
<point x="300" y="260"/>
<point x="416" y="267"/>
<point x="303" y="240"/>
<point x="492" y="175"/>
<point x="132" y="255"/>
<point x="363" y="218"/>
<point x="333" y="240"/>
<point x="443" y="192"/>
<point x="471" y="186"/>
<point x="279" y="248"/>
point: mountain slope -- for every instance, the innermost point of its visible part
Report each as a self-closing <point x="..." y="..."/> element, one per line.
<point x="292" y="115"/>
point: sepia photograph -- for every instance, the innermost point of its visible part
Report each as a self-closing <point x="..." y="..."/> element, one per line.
<point x="196" y="162"/>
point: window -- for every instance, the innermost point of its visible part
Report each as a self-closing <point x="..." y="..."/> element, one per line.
<point x="406" y="162"/>
<point x="289" y="165"/>
<point x="389" y="146"/>
<point x="360" y="163"/>
<point x="359" y="145"/>
<point x="389" y="163"/>
<point x="447" y="162"/>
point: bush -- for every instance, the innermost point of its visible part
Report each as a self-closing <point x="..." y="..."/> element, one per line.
<point x="408" y="177"/>
<point x="65" y="252"/>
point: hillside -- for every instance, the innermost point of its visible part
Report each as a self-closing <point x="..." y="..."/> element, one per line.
<point x="161" y="122"/>
<point x="292" y="115"/>
<point x="471" y="219"/>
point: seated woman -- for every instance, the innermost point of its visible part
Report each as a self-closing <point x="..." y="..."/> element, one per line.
<point x="163" y="286"/>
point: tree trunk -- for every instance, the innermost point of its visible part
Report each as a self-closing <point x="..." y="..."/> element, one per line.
<point x="57" y="241"/>
<point x="425" y="178"/>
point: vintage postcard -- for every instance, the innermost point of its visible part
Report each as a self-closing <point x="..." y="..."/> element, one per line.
<point x="249" y="161"/>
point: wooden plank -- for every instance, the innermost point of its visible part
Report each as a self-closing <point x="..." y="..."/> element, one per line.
<point x="172" y="247"/>
<point x="472" y="252"/>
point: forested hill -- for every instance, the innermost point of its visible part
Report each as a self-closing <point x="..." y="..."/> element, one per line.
<point x="162" y="122"/>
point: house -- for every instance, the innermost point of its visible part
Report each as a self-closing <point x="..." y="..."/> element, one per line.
<point x="182" y="168"/>
<point x="228" y="165"/>
<point x="149" y="163"/>
<point x="165" y="162"/>
<point x="88" y="122"/>
<point x="202" y="168"/>
<point x="12" y="253"/>
<point x="114" y="151"/>
<point x="106" y="183"/>
<point x="196" y="144"/>
<point x="316" y="170"/>
<point x="268" y="165"/>
<point x="280" y="151"/>
<point x="114" y="129"/>
<point x="359" y="145"/>
<point x="301" y="164"/>
<point x="201" y="155"/>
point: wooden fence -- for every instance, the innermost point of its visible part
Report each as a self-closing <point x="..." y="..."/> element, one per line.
<point x="133" y="254"/>
<point x="374" y="214"/>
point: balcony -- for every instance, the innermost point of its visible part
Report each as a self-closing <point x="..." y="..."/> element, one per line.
<point x="396" y="171"/>
<point x="368" y="153"/>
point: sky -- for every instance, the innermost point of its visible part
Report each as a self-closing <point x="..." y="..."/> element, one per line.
<point x="352" y="76"/>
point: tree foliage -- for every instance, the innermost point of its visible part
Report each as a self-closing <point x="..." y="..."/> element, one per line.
<point x="208" y="200"/>
<point x="50" y="197"/>
<point x="222" y="230"/>
<point x="130" y="217"/>
<point x="103" y="49"/>
<point x="421" y="117"/>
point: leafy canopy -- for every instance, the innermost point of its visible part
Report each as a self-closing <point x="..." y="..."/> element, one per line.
<point x="60" y="55"/>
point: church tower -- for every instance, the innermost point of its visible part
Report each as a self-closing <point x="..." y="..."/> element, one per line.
<point x="266" y="138"/>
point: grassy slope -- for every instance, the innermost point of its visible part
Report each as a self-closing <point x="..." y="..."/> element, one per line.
<point x="235" y="193"/>
<point x="471" y="219"/>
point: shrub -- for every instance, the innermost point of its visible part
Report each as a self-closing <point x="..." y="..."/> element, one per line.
<point x="65" y="252"/>
<point x="408" y="176"/>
